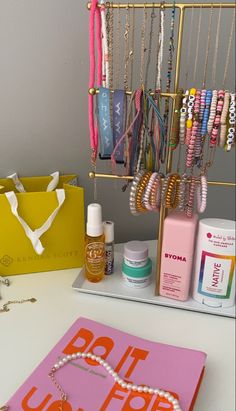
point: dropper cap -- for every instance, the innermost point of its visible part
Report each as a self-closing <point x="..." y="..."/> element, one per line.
<point x="94" y="227"/>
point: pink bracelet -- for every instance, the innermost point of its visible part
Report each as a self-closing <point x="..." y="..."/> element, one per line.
<point x="194" y="131"/>
<point x="202" y="194"/>
<point x="212" y="111"/>
<point x="216" y="124"/>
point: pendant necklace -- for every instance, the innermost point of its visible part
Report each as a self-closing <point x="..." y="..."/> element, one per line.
<point x="189" y="50"/>
<point x="131" y="52"/>
<point x="173" y="141"/>
<point x="143" y="49"/>
<point x="117" y="43"/>
<point x="160" y="47"/>
<point x="152" y="18"/>
<point x="214" y="65"/>
<point x="197" y="46"/>
<point x="126" y="48"/>
<point x="228" y="51"/>
<point x="207" y="48"/>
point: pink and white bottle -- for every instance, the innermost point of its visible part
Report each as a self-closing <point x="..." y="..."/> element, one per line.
<point x="177" y="255"/>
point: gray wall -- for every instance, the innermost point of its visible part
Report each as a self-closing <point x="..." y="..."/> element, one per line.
<point x="43" y="106"/>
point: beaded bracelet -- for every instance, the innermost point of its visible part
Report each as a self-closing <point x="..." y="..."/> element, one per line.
<point x="133" y="191"/>
<point x="202" y="194"/>
<point x="175" y="132"/>
<point x="194" y="130"/>
<point x="212" y="112"/>
<point x="147" y="193"/>
<point x="223" y="124"/>
<point x="172" y="192"/>
<point x="216" y="124"/>
<point x="206" y="112"/>
<point x="190" y="204"/>
<point x="183" y="115"/>
<point x="189" y="122"/>
<point x="198" y="143"/>
<point x="231" y="129"/>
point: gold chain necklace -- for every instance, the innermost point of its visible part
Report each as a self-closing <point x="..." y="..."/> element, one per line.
<point x="126" y="49"/>
<point x="5" y="308"/>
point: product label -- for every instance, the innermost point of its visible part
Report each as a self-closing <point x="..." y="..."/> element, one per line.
<point x="94" y="257"/>
<point x="109" y="255"/>
<point x="216" y="275"/>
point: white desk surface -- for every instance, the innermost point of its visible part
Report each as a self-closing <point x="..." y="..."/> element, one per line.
<point x="29" y="331"/>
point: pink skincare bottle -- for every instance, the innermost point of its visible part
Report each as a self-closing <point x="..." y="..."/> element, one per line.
<point x="177" y="255"/>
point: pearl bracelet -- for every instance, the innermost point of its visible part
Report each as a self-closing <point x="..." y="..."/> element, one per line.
<point x="223" y="125"/>
<point x="147" y="193"/>
<point x="125" y="385"/>
<point x="133" y="192"/>
<point x="202" y="194"/>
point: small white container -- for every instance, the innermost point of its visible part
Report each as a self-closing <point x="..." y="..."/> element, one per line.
<point x="214" y="277"/>
<point x="135" y="254"/>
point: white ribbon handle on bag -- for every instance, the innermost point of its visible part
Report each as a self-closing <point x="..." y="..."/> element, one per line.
<point x="19" y="186"/>
<point x="35" y="235"/>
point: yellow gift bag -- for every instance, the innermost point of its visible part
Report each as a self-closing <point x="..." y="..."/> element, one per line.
<point x="40" y="229"/>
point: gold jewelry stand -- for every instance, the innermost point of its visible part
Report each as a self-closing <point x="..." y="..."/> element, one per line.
<point x="182" y="7"/>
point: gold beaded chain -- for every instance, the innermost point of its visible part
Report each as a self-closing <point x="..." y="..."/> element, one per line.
<point x="131" y="52"/>
<point x="143" y="49"/>
<point x="126" y="48"/>
<point x="152" y="17"/>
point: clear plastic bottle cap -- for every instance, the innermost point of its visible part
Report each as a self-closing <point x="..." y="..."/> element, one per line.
<point x="94" y="227"/>
<point x="108" y="231"/>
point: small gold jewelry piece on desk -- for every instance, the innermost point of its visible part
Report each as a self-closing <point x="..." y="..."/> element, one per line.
<point x="5" y="308"/>
<point x="6" y="282"/>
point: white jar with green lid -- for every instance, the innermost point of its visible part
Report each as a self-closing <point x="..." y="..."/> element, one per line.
<point x="137" y="277"/>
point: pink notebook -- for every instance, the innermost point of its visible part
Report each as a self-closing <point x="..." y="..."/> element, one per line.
<point x="90" y="388"/>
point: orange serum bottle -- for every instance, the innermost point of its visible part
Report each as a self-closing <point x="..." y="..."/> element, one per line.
<point x="94" y="244"/>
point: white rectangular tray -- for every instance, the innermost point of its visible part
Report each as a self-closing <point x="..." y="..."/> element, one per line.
<point x="113" y="286"/>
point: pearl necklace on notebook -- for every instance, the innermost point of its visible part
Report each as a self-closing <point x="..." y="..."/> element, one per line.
<point x="128" y="386"/>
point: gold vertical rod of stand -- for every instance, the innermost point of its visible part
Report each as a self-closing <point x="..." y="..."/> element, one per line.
<point x="163" y="211"/>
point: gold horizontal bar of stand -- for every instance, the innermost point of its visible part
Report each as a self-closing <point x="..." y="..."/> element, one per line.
<point x="120" y="177"/>
<point x="166" y="6"/>
<point x="94" y="91"/>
